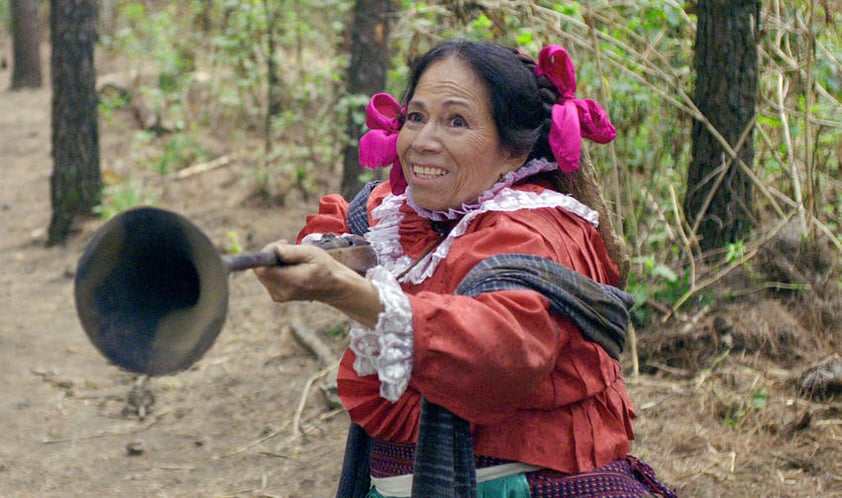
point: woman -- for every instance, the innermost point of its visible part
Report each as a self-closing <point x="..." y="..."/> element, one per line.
<point x="477" y="328"/>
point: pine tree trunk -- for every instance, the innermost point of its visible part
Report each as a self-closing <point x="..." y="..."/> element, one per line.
<point x="726" y="89"/>
<point x="76" y="183"/>
<point x="26" y="39"/>
<point x="366" y="76"/>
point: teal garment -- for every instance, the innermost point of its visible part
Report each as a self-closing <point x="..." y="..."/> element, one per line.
<point x="503" y="487"/>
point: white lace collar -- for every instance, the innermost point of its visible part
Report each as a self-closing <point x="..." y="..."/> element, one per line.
<point x="384" y="236"/>
<point x="531" y="168"/>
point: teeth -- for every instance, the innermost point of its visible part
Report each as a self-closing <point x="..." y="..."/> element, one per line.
<point x="428" y="172"/>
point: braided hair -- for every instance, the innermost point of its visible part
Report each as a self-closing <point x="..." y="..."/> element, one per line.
<point x="548" y="94"/>
<point x="521" y="103"/>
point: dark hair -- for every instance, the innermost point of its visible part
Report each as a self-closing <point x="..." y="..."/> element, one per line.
<point x="520" y="102"/>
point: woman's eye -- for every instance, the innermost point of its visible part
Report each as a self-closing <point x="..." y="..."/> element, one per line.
<point x="414" y="117"/>
<point x="458" y="122"/>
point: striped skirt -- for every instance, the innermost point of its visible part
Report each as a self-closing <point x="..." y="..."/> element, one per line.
<point x="626" y="478"/>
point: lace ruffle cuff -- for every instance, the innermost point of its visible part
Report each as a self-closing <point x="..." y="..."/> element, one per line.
<point x="386" y="349"/>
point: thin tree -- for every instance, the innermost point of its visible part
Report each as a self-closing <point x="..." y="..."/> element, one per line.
<point x="26" y="40"/>
<point x="76" y="182"/>
<point x="718" y="201"/>
<point x="366" y="76"/>
<point x="274" y="105"/>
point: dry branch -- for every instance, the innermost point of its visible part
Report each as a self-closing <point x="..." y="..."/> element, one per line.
<point x="302" y="402"/>
<point x="200" y="168"/>
<point x="108" y="433"/>
<point x="257" y="441"/>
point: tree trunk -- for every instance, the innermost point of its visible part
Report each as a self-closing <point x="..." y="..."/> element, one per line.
<point x="274" y="105"/>
<point x="206" y="16"/>
<point x="76" y="183"/>
<point x="26" y="39"/>
<point x="366" y="76"/>
<point x="719" y="192"/>
<point x="109" y="11"/>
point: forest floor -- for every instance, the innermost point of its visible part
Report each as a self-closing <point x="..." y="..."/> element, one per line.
<point x="250" y="420"/>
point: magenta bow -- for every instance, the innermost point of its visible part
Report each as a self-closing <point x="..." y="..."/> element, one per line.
<point x="572" y="118"/>
<point x="379" y="146"/>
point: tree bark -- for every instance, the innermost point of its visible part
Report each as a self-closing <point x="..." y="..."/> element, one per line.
<point x="26" y="40"/>
<point x="719" y="193"/>
<point x="76" y="182"/>
<point x="366" y="76"/>
<point x="274" y="105"/>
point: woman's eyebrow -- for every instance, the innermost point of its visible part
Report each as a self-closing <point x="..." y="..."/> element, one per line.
<point x="449" y="102"/>
<point x="416" y="103"/>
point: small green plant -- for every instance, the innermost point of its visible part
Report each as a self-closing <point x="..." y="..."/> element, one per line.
<point x="755" y="404"/>
<point x="735" y="251"/>
<point x="656" y="281"/>
<point x="119" y="197"/>
<point x="233" y="246"/>
<point x="110" y="102"/>
<point x="180" y="151"/>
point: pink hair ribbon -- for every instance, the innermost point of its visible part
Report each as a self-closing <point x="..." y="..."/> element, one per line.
<point x="379" y="146"/>
<point x="572" y="118"/>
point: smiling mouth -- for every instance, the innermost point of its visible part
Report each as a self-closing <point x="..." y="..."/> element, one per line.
<point x="427" y="172"/>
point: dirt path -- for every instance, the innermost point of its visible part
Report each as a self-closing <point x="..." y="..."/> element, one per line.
<point x="223" y="428"/>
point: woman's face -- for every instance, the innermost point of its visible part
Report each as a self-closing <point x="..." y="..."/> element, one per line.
<point x="449" y="146"/>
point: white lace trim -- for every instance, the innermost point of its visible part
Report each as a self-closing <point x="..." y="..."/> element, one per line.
<point x="385" y="236"/>
<point x="312" y="238"/>
<point x="386" y="349"/>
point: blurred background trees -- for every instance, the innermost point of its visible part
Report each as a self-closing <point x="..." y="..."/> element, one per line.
<point x="698" y="178"/>
<point x="26" y="33"/>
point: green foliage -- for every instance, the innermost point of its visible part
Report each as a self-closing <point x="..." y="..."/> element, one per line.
<point x="742" y="410"/>
<point x="5" y="18"/>
<point x="179" y="151"/>
<point x="653" y="281"/>
<point x="233" y="246"/>
<point x="735" y="251"/>
<point x="636" y="58"/>
<point x="119" y="197"/>
<point x="109" y="102"/>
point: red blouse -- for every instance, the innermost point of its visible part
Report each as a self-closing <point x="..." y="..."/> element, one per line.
<point x="534" y="390"/>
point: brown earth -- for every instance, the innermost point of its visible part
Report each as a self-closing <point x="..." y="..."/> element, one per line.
<point x="250" y="419"/>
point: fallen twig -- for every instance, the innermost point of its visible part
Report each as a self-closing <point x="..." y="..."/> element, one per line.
<point x="706" y="373"/>
<point x="200" y="168"/>
<point x="302" y="402"/>
<point x="108" y="433"/>
<point x="257" y="441"/>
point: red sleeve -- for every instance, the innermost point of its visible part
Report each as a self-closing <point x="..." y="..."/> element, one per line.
<point x="333" y="213"/>
<point x="331" y="218"/>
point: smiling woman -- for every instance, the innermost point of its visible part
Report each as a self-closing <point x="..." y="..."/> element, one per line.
<point x="484" y="349"/>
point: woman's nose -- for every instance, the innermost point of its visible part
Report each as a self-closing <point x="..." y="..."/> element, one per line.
<point x="427" y="139"/>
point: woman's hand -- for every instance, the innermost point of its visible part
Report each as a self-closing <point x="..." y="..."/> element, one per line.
<point x="309" y="273"/>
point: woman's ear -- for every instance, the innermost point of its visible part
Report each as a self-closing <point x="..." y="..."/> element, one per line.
<point x="512" y="161"/>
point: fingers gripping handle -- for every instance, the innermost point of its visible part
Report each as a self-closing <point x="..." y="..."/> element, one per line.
<point x="357" y="257"/>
